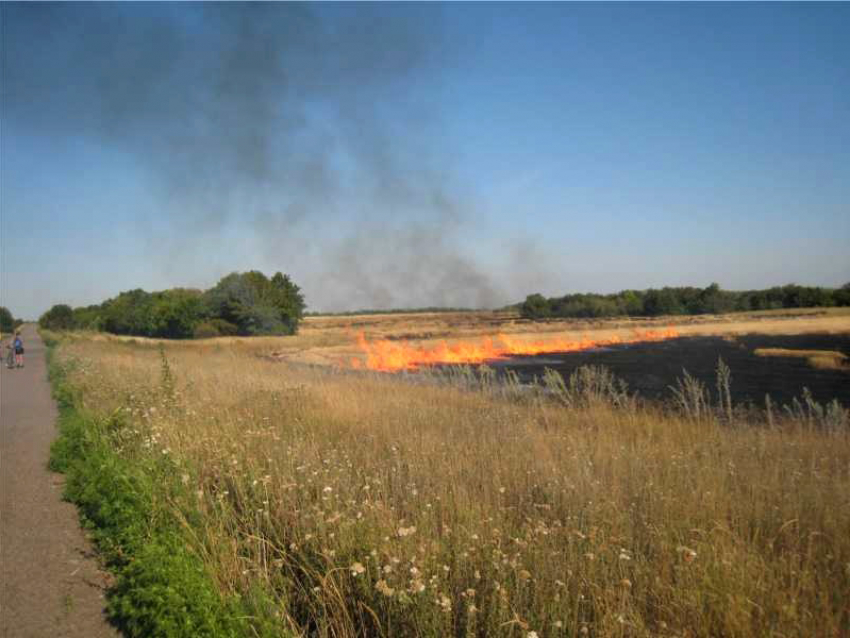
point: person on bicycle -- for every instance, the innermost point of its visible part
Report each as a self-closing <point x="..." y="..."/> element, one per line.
<point x="10" y="354"/>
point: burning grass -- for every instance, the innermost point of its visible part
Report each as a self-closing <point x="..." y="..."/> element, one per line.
<point x="334" y="341"/>
<point x="391" y="356"/>
<point x="366" y="505"/>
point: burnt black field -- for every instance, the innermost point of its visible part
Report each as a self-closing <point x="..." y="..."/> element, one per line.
<point x="650" y="368"/>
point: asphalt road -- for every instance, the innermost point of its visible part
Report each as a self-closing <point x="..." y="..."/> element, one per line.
<point x="50" y="584"/>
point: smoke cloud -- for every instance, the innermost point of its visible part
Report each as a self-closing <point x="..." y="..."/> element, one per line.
<point x="304" y="126"/>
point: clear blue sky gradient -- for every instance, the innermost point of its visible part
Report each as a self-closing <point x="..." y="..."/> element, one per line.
<point x="460" y="154"/>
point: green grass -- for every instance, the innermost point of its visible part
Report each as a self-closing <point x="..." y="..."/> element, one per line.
<point x="126" y="499"/>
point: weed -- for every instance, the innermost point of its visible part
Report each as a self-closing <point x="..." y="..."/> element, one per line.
<point x="724" y="391"/>
<point x="691" y="397"/>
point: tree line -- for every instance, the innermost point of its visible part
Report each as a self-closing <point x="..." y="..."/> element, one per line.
<point x="8" y="322"/>
<point x="242" y="304"/>
<point x="682" y="301"/>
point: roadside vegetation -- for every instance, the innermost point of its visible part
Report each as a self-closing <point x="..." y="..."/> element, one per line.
<point x="139" y="516"/>
<point x="682" y="301"/>
<point x="329" y="503"/>
<point x="240" y="304"/>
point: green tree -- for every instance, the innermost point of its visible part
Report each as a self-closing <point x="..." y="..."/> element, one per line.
<point x="59" y="317"/>
<point x="632" y="302"/>
<point x="714" y="300"/>
<point x="536" y="306"/>
<point x="129" y="313"/>
<point x="288" y="300"/>
<point x="88" y="317"/>
<point x="842" y="295"/>
<point x="256" y="304"/>
<point x="662" y="302"/>
<point x="7" y="321"/>
<point x="175" y="314"/>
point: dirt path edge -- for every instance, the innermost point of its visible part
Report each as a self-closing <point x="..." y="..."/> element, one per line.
<point x="50" y="580"/>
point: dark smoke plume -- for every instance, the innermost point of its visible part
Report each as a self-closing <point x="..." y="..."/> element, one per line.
<point x="300" y="122"/>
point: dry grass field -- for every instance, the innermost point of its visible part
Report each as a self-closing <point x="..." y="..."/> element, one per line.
<point x="332" y="340"/>
<point x="365" y="504"/>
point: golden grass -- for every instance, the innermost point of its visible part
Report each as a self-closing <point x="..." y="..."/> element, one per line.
<point x="824" y="359"/>
<point x="427" y="329"/>
<point x="332" y="340"/>
<point x="370" y="505"/>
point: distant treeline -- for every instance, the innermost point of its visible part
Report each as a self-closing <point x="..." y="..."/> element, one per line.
<point x="7" y="321"/>
<point x="682" y="301"/>
<point x="240" y="304"/>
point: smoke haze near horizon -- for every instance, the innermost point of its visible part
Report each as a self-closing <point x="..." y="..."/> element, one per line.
<point x="175" y="143"/>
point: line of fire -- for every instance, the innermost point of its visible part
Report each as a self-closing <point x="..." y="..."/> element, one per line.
<point x="394" y="356"/>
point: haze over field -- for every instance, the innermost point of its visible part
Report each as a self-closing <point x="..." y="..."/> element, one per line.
<point x="410" y="155"/>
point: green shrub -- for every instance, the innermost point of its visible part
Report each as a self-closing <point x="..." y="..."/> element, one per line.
<point x="206" y="330"/>
<point x="59" y="317"/>
<point x="128" y="314"/>
<point x="225" y="328"/>
<point x="175" y="314"/>
<point x="214" y="328"/>
<point x="536" y="306"/>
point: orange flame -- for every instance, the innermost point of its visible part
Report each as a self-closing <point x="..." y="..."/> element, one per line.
<point x="391" y="356"/>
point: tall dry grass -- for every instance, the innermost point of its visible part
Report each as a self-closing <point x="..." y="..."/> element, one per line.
<point x="371" y="505"/>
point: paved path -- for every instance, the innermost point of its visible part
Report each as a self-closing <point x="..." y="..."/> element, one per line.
<point x="50" y="584"/>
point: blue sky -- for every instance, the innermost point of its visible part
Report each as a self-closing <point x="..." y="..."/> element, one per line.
<point x="411" y="155"/>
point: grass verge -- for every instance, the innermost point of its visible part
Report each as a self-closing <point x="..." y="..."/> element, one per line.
<point x="127" y="499"/>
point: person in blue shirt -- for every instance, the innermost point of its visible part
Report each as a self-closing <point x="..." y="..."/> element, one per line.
<point x="19" y="350"/>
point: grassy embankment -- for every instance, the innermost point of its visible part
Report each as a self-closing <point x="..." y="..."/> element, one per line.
<point x="141" y="520"/>
<point x="361" y="504"/>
